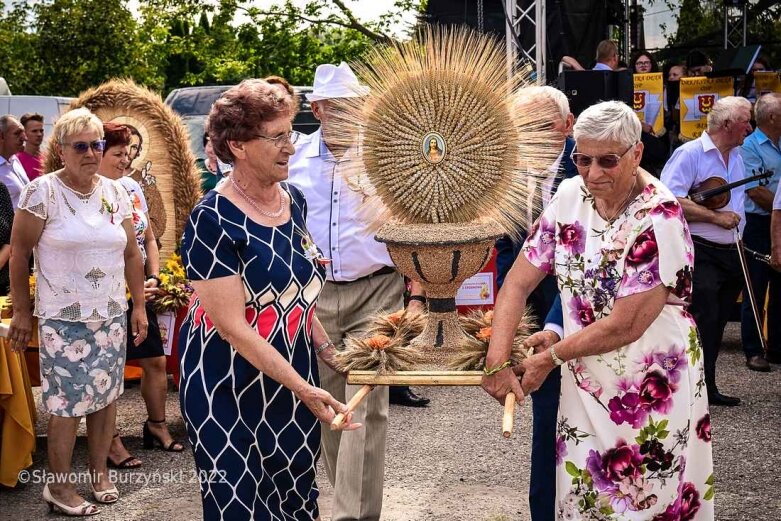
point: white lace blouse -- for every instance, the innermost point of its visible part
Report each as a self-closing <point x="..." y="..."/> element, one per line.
<point x="79" y="258"/>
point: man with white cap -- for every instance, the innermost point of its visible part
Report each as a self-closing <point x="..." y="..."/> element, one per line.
<point x="361" y="281"/>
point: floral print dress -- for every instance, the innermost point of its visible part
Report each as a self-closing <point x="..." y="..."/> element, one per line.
<point x="633" y="437"/>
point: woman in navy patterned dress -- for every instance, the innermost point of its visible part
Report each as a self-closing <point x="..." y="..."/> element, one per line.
<point x="249" y="379"/>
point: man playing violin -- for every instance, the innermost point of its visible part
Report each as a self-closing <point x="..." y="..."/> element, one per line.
<point x="761" y="152"/>
<point x="717" y="270"/>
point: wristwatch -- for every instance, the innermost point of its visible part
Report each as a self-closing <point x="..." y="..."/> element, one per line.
<point x="556" y="360"/>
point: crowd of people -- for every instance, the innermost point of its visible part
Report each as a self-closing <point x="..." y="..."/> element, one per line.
<point x="633" y="283"/>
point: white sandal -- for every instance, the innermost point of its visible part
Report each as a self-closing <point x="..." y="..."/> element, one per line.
<point x="107" y="497"/>
<point x="84" y="509"/>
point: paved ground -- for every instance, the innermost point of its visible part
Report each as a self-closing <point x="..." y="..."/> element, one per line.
<point x="450" y="462"/>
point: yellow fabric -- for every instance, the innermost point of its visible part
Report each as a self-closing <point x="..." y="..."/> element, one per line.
<point x="17" y="416"/>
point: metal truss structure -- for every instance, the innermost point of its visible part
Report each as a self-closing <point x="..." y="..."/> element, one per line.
<point x="523" y="16"/>
<point x="735" y="24"/>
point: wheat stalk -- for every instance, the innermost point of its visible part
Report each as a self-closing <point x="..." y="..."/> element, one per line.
<point x="385" y="346"/>
<point x="470" y="356"/>
<point x="452" y="82"/>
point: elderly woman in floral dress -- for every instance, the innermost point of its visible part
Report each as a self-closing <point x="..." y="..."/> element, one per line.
<point x="79" y="225"/>
<point x="634" y="429"/>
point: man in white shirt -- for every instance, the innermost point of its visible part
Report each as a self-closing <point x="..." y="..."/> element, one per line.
<point x="12" y="173"/>
<point x="361" y="281"/>
<point x="718" y="276"/>
<point x="607" y="56"/>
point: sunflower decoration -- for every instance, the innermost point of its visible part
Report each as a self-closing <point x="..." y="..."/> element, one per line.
<point x="175" y="289"/>
<point x="477" y="326"/>
<point x="385" y="346"/>
<point x="439" y="137"/>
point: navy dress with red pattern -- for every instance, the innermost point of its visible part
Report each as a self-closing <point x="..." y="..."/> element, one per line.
<point x="255" y="443"/>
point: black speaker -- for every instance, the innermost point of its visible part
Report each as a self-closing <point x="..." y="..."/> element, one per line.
<point x="586" y="88"/>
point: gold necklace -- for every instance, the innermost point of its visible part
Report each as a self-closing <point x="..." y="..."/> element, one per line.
<point x="622" y="206"/>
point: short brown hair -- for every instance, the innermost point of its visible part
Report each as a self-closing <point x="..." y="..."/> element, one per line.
<point x="279" y="80"/>
<point x="241" y="110"/>
<point x="115" y="135"/>
<point x="30" y="116"/>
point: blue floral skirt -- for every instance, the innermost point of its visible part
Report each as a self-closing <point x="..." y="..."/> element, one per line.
<point x="82" y="364"/>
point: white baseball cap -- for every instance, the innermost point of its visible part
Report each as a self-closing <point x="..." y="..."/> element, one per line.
<point x="336" y="82"/>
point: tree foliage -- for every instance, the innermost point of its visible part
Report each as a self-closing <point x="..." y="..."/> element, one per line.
<point x="700" y="25"/>
<point x="61" y="47"/>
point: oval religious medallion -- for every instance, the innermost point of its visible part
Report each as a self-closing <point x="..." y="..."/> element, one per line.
<point x="434" y="148"/>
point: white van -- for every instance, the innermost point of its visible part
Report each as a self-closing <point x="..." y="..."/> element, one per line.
<point x="50" y="107"/>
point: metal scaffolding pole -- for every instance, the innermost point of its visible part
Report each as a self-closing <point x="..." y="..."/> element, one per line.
<point x="533" y="15"/>
<point x="735" y="25"/>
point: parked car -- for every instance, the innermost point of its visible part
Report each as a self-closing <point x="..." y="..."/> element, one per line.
<point x="193" y="105"/>
<point x="50" y="107"/>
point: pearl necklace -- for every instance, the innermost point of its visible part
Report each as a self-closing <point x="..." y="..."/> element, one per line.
<point x="622" y="206"/>
<point x="256" y="206"/>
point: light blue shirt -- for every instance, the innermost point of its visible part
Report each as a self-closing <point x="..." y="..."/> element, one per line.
<point x="602" y="67"/>
<point x="335" y="217"/>
<point x="760" y="153"/>
<point x="13" y="176"/>
<point x="694" y="162"/>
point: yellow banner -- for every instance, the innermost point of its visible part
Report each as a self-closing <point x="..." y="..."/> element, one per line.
<point x="698" y="95"/>
<point x="649" y="93"/>
<point x="767" y="81"/>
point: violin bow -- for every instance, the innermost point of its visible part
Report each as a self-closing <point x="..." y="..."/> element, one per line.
<point x="761" y="257"/>
<point x="749" y="289"/>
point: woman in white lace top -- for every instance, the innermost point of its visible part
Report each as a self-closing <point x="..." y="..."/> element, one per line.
<point x="79" y="225"/>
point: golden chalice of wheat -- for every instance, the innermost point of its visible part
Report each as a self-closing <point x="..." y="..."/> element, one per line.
<point x="444" y="158"/>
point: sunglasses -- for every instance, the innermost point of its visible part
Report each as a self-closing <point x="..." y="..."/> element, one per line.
<point x="606" y="162"/>
<point x="81" y="147"/>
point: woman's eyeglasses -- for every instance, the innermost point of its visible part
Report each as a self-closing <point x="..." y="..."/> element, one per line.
<point x="81" y="147"/>
<point x="606" y="161"/>
<point x="283" y="139"/>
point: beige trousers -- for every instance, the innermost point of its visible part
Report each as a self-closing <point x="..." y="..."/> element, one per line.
<point x="355" y="460"/>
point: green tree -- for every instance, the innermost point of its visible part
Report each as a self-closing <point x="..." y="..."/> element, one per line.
<point x="700" y="24"/>
<point x="82" y="43"/>
<point x="65" y="46"/>
<point x="18" y="44"/>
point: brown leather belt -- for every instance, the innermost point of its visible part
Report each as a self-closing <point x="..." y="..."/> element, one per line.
<point x="385" y="270"/>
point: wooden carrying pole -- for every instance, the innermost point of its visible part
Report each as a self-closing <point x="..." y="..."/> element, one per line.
<point x="509" y="413"/>
<point x="416" y="378"/>
<point x="351" y="406"/>
<point x="429" y="378"/>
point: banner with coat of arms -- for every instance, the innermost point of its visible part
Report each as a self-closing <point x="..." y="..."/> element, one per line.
<point x="766" y="82"/>
<point x="698" y="95"/>
<point x="649" y="92"/>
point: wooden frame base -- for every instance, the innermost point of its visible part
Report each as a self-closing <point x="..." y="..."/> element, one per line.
<point x="426" y="378"/>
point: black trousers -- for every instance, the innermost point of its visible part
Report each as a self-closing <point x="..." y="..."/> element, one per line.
<point x="763" y="279"/>
<point x="718" y="280"/>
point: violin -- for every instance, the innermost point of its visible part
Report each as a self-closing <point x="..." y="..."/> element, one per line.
<point x="714" y="192"/>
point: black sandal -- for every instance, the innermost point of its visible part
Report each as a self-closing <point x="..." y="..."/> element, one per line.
<point x="125" y="463"/>
<point x="151" y="441"/>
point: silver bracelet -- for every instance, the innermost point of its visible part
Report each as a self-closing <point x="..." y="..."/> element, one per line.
<point x="322" y="347"/>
